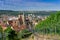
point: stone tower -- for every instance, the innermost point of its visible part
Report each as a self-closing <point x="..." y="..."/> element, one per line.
<point x="21" y="19"/>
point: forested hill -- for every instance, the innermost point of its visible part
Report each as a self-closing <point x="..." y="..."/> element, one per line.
<point x="10" y="12"/>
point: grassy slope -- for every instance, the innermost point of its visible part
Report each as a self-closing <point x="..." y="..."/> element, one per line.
<point x="50" y="25"/>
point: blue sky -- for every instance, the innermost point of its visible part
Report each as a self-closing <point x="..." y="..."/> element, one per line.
<point x="39" y="5"/>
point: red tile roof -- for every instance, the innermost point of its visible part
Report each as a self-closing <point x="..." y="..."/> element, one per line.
<point x="16" y="28"/>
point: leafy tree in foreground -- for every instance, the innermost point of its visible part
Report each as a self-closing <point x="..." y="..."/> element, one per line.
<point x="10" y="34"/>
<point x="13" y="35"/>
<point x="1" y="33"/>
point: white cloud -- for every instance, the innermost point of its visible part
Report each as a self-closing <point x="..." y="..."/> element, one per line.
<point x="28" y="5"/>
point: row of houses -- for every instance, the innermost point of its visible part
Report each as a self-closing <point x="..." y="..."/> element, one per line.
<point x="15" y="22"/>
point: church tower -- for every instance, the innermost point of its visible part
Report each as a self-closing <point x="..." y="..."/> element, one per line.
<point x="21" y="19"/>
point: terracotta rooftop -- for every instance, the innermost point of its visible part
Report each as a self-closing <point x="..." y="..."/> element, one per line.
<point x="16" y="28"/>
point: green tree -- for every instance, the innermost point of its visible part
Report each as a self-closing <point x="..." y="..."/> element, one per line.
<point x="10" y="34"/>
<point x="1" y="33"/>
